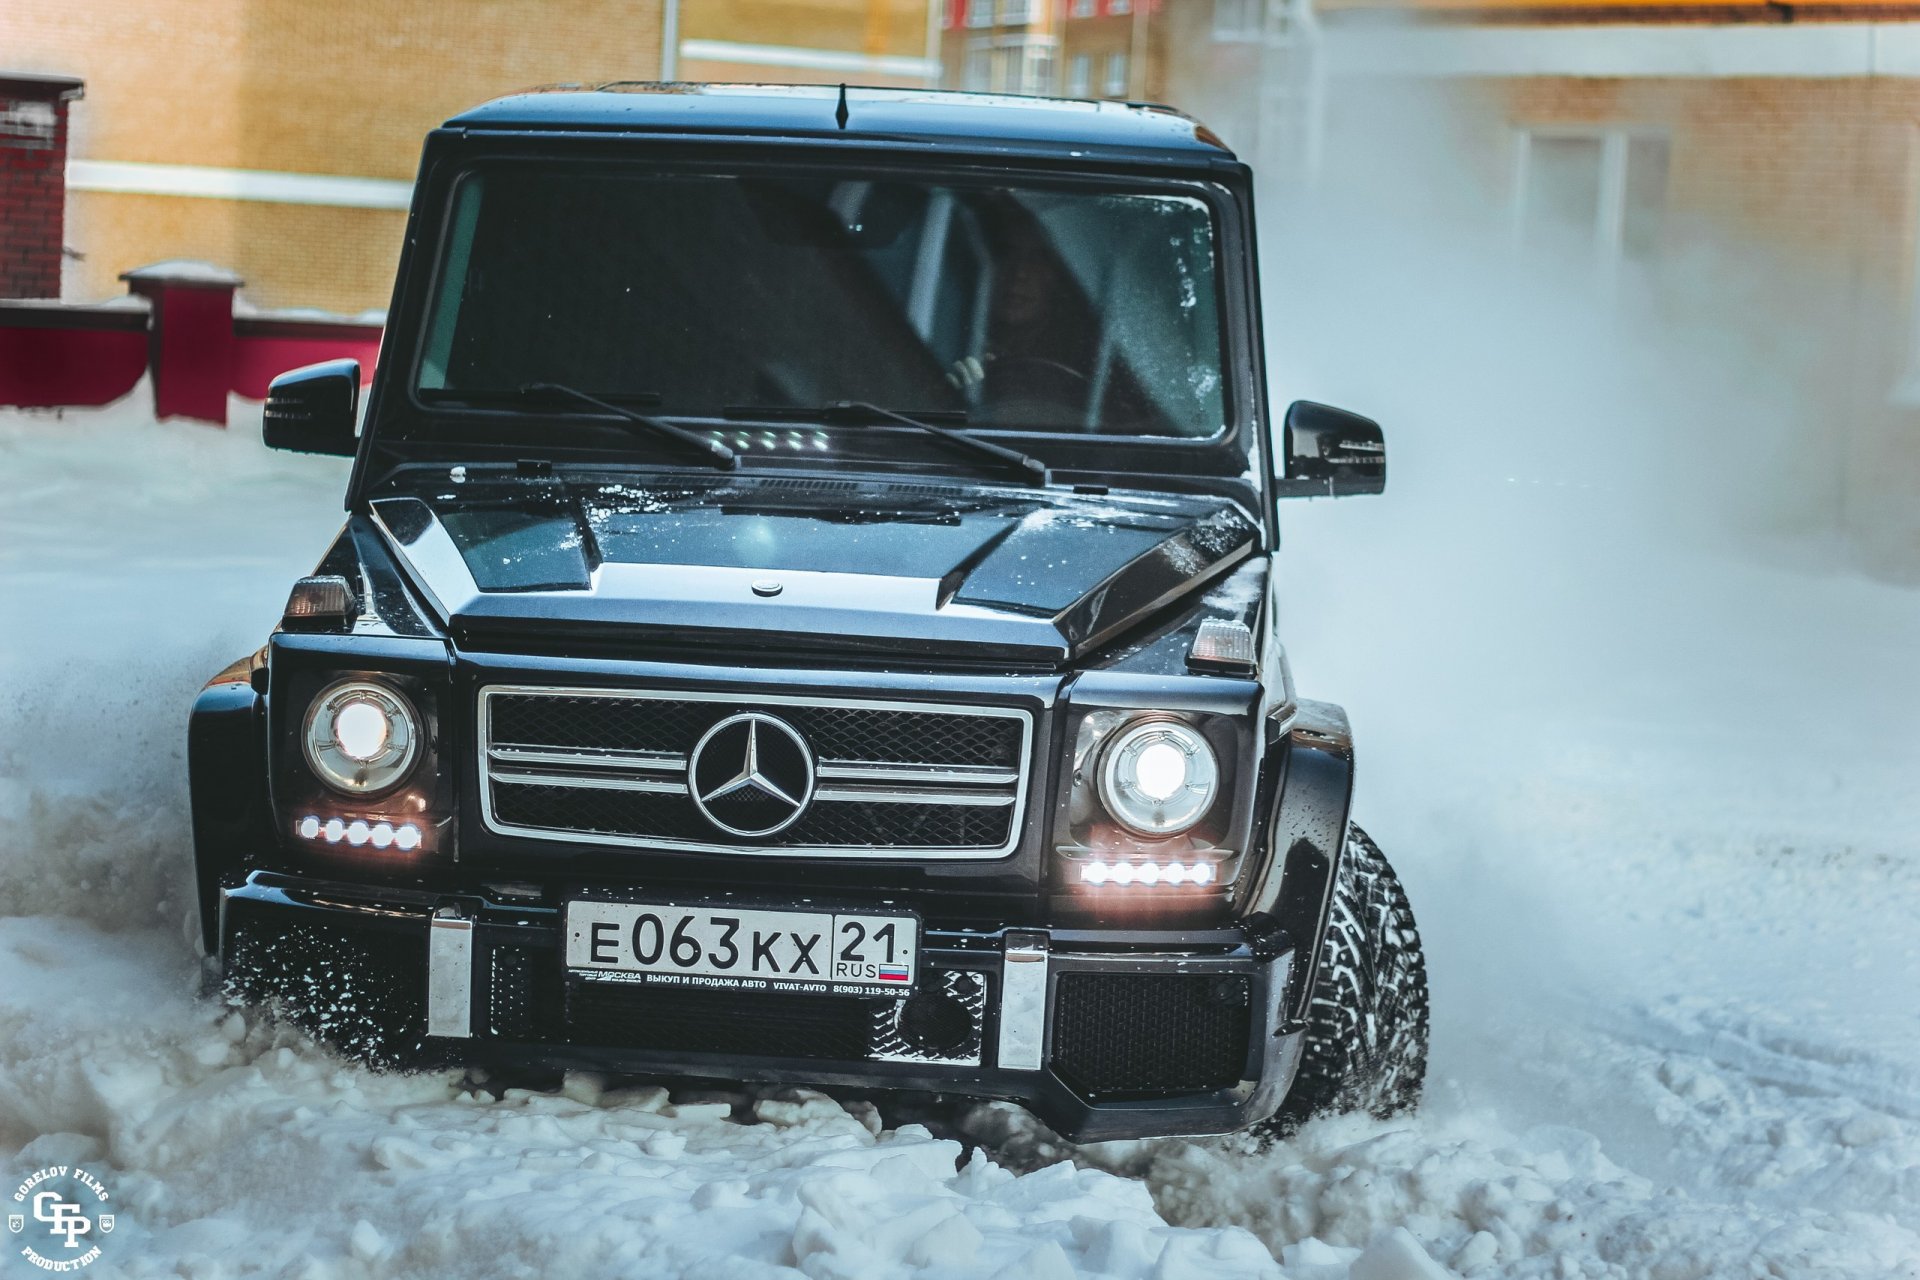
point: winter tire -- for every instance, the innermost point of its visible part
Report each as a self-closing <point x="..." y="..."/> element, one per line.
<point x="1366" y="1032"/>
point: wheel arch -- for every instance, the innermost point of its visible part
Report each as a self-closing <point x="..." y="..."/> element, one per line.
<point x="1305" y="837"/>
<point x="227" y="782"/>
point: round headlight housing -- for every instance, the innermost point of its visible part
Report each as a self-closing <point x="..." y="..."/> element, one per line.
<point x="361" y="738"/>
<point x="1158" y="777"/>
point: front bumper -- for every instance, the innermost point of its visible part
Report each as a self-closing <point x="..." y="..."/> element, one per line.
<point x="1103" y="1034"/>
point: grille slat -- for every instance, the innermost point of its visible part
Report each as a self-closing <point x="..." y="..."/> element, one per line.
<point x="904" y="825"/>
<point x="600" y="794"/>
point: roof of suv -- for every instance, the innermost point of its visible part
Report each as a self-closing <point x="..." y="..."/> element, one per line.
<point x="970" y="121"/>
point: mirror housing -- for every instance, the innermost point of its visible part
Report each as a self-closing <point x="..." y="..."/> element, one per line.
<point x="314" y="409"/>
<point x="1331" y="453"/>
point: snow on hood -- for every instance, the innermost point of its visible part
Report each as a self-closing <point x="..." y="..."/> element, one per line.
<point x="912" y="567"/>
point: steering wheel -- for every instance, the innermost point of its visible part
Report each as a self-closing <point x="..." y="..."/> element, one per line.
<point x="1038" y="365"/>
<point x="1027" y="388"/>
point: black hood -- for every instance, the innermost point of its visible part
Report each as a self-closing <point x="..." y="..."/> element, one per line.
<point x="804" y="565"/>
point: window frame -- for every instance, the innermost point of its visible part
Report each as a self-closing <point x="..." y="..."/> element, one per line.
<point x="400" y="434"/>
<point x="1234" y="364"/>
<point x="1251" y="13"/>
<point x="1080" y="75"/>
<point x="1610" y="205"/>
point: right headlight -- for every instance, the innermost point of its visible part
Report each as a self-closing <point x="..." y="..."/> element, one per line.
<point x="1151" y="800"/>
<point x="1158" y="778"/>
<point x="361" y="738"/>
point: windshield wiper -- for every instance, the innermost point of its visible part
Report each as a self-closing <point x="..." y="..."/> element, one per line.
<point x="860" y="413"/>
<point x="517" y="395"/>
<point x="607" y="400"/>
<point x="721" y="456"/>
<point x="719" y="453"/>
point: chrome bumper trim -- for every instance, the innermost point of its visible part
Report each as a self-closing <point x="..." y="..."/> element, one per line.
<point x="1023" y="1002"/>
<point x="449" y="975"/>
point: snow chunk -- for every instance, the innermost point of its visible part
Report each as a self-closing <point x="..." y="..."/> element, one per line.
<point x="1396" y="1255"/>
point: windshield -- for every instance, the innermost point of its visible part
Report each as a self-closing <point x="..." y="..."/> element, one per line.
<point x="1062" y="308"/>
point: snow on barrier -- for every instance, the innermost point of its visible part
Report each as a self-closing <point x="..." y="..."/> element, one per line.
<point x="178" y="321"/>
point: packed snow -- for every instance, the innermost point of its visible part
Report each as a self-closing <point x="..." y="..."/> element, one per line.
<point x="1651" y="775"/>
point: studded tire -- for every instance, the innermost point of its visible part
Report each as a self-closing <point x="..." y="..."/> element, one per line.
<point x="1366" y="1044"/>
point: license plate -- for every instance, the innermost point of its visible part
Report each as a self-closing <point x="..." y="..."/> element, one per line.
<point x="727" y="948"/>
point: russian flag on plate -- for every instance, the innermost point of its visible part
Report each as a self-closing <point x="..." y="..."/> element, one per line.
<point x="893" y="973"/>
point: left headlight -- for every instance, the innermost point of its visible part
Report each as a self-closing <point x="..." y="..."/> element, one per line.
<point x="361" y="738"/>
<point x="1158" y="777"/>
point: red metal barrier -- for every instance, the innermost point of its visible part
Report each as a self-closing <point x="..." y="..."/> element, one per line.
<point x="53" y="355"/>
<point x="266" y="347"/>
<point x="185" y="333"/>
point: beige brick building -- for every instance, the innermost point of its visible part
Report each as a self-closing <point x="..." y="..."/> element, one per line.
<point x="879" y="42"/>
<point x="1741" y="179"/>
<point x="1065" y="48"/>
<point x="278" y="137"/>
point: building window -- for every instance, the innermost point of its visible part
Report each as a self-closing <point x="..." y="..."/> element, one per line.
<point x="1117" y="73"/>
<point x="1023" y="64"/>
<point x="1008" y="64"/>
<point x="1083" y="8"/>
<point x="978" y="73"/>
<point x="1237" y="19"/>
<point x="980" y="13"/>
<point x="1040" y="70"/>
<point x="1119" y="8"/>
<point x="1014" y="13"/>
<point x="1079" y="75"/>
<point x="1590" y="198"/>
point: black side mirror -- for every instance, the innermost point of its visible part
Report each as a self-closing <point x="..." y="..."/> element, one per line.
<point x="313" y="409"/>
<point x="1331" y="453"/>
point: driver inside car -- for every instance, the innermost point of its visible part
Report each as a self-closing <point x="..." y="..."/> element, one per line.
<point x="1031" y="368"/>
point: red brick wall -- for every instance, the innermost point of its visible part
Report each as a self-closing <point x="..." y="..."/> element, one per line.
<point x="33" y="193"/>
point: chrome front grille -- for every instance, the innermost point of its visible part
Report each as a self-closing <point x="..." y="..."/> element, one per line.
<point x="890" y="779"/>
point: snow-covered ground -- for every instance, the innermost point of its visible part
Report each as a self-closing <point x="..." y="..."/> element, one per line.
<point x="1655" y="796"/>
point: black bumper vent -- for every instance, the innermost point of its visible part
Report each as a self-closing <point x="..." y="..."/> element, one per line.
<point x="362" y="990"/>
<point x="748" y="1023"/>
<point x="1122" y="1034"/>
<point x="521" y="985"/>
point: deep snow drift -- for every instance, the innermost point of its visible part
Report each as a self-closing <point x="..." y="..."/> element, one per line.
<point x="1655" y="798"/>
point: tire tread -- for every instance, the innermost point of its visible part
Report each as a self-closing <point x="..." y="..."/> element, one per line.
<point x="1368" y="1021"/>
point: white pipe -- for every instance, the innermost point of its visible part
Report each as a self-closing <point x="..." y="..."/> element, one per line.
<point x="935" y="73"/>
<point x="669" y="39"/>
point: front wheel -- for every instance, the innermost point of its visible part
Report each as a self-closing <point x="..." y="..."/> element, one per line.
<point x="1366" y="1031"/>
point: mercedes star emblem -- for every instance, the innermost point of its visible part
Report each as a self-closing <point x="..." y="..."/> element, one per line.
<point x="751" y="775"/>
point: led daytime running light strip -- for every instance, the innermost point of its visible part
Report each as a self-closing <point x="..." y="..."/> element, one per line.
<point x="358" y="832"/>
<point x="1096" y="872"/>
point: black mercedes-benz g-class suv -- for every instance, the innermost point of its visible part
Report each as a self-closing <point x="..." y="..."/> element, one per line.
<point x="805" y="615"/>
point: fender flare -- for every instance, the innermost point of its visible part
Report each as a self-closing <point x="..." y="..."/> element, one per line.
<point x="1305" y="838"/>
<point x="227" y="784"/>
